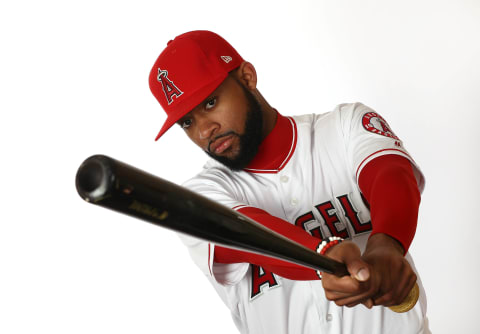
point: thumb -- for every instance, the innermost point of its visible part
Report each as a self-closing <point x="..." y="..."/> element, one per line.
<point x="362" y="275"/>
<point x="349" y="253"/>
<point x="358" y="269"/>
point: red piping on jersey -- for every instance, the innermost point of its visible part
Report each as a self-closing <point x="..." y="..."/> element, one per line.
<point x="387" y="149"/>
<point x="209" y="266"/>
<point x="238" y="207"/>
<point x="277" y="148"/>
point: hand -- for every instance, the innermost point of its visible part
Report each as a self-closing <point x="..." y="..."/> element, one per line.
<point x="395" y="275"/>
<point x="359" y="287"/>
<point x="382" y="276"/>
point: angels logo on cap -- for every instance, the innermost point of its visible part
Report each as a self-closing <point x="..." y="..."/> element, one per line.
<point x="168" y="86"/>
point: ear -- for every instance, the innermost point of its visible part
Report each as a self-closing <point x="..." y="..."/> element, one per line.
<point x="247" y="75"/>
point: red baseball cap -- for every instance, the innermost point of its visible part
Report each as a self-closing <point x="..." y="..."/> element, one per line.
<point x="189" y="69"/>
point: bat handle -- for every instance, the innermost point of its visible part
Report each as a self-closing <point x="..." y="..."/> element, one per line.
<point x="409" y="301"/>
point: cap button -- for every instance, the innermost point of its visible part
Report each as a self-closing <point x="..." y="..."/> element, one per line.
<point x="170" y="41"/>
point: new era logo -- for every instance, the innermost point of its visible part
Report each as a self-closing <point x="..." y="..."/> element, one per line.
<point x="226" y="59"/>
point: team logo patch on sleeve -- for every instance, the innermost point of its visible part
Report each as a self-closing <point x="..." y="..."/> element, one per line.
<point x="168" y="86"/>
<point x="375" y="123"/>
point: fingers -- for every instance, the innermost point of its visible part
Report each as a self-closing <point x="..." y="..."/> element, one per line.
<point x="352" y="301"/>
<point x="348" y="291"/>
<point x="368" y="303"/>
<point x="338" y="288"/>
<point x="396" y="294"/>
<point x="354" y="289"/>
<point x="349" y="253"/>
<point x="396" y="286"/>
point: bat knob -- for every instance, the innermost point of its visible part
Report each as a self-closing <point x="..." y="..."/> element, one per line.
<point x="409" y="301"/>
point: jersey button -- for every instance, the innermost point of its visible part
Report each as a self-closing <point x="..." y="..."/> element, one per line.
<point x="294" y="201"/>
<point x="329" y="317"/>
<point x="284" y="179"/>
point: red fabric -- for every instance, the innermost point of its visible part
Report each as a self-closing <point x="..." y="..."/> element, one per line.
<point x="390" y="187"/>
<point x="276" y="148"/>
<point x="280" y="267"/>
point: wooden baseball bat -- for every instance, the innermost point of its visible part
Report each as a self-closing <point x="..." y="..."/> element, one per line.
<point x="115" y="185"/>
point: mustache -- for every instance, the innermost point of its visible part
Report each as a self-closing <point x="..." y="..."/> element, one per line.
<point x="211" y="141"/>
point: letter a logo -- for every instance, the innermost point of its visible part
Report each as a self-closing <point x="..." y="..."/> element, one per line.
<point x="168" y="86"/>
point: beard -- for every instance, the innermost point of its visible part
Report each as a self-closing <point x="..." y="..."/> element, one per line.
<point x="249" y="141"/>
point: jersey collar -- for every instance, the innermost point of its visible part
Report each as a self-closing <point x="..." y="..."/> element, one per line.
<point x="277" y="148"/>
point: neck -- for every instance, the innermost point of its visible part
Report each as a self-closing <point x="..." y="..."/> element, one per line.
<point x="269" y="115"/>
<point x="276" y="148"/>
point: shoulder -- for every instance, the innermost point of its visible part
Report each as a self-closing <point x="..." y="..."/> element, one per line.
<point x="339" y="119"/>
<point x="351" y="108"/>
<point x="213" y="174"/>
<point x="346" y="117"/>
<point x="221" y="184"/>
<point x="216" y="180"/>
<point x="349" y="111"/>
<point x="341" y="112"/>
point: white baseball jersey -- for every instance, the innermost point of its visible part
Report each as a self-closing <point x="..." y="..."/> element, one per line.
<point x="315" y="187"/>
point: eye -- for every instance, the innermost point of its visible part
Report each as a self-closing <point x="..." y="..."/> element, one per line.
<point x="185" y="123"/>
<point x="211" y="103"/>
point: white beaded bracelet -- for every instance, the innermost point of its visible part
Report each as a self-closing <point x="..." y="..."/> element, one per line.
<point x="324" y="246"/>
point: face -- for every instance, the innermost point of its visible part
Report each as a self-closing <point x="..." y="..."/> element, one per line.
<point x="227" y="125"/>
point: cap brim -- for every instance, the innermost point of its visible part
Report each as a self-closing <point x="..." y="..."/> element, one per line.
<point x="190" y="103"/>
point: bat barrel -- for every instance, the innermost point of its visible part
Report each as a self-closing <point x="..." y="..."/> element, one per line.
<point x="94" y="178"/>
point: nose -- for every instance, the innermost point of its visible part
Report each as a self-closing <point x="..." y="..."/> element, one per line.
<point x="207" y="128"/>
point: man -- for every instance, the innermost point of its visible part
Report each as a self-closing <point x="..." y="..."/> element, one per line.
<point x="316" y="179"/>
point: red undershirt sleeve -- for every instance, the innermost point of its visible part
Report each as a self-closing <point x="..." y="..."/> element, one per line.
<point x="389" y="186"/>
<point x="282" y="268"/>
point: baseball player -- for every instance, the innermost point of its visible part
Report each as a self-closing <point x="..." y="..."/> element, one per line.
<point x="340" y="183"/>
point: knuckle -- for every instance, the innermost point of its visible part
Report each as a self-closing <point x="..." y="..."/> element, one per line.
<point x="388" y="297"/>
<point x="329" y="296"/>
<point x="372" y="289"/>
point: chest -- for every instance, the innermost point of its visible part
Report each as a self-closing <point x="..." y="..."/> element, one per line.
<point x="316" y="190"/>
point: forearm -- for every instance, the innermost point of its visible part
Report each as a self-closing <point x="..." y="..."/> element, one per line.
<point x="283" y="268"/>
<point x="389" y="186"/>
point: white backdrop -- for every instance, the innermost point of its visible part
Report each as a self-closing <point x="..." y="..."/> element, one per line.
<point x="73" y="82"/>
